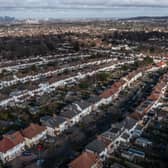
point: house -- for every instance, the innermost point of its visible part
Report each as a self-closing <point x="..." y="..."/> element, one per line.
<point x="113" y="91"/>
<point x="136" y="116"/>
<point x="125" y="137"/>
<point x="161" y="64"/>
<point x="121" y="84"/>
<point x="75" y="111"/>
<point x="11" y="146"/>
<point x="54" y="125"/>
<point x="86" y="160"/>
<point x="136" y="131"/>
<point x="127" y="155"/>
<point x="136" y="153"/>
<point x="134" y="75"/>
<point x="119" y="127"/>
<point x="143" y="142"/>
<point x="33" y="134"/>
<point x="98" y="147"/>
<point x="129" y="122"/>
<point x="131" y="154"/>
<point x="111" y="136"/>
<point x="71" y="113"/>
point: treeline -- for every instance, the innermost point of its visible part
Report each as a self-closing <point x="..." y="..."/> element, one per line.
<point x="137" y="36"/>
<point x="23" y="47"/>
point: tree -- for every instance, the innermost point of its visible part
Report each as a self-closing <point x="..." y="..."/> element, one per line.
<point x="76" y="46"/>
<point x="148" y="60"/>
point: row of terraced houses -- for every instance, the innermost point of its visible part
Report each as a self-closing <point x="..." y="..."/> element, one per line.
<point x="14" y="143"/>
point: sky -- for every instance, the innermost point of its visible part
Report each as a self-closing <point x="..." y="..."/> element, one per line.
<point x="81" y="3"/>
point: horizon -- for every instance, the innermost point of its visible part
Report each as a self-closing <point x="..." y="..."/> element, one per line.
<point x="79" y="9"/>
<point x="75" y="13"/>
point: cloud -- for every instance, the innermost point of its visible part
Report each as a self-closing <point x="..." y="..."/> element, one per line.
<point x="73" y="3"/>
<point x="117" y="2"/>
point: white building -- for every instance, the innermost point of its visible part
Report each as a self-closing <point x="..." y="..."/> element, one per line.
<point x="54" y="125"/>
<point x="34" y="134"/>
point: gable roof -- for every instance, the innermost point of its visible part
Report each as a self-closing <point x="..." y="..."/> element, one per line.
<point x="114" y="88"/>
<point x="70" y="110"/>
<point x="129" y="122"/>
<point x="85" y="160"/>
<point x="5" y="145"/>
<point x="32" y="130"/>
<point x="136" y="115"/>
<point x="96" y="146"/>
<point x="10" y="140"/>
<point x="15" y="137"/>
<point x="52" y="122"/>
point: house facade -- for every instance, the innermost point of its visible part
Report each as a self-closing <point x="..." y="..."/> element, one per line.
<point x="34" y="134"/>
<point x="11" y="146"/>
<point x="55" y="125"/>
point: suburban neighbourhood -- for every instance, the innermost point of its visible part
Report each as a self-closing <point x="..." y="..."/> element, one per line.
<point x="90" y="94"/>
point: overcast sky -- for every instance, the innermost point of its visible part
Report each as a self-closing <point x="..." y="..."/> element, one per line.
<point x="85" y="3"/>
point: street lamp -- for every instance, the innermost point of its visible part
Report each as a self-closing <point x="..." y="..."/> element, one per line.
<point x="39" y="148"/>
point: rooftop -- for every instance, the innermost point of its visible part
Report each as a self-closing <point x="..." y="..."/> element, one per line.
<point x="32" y="130"/>
<point x="85" y="160"/>
<point x="10" y="140"/>
<point x="52" y="122"/>
<point x="96" y="146"/>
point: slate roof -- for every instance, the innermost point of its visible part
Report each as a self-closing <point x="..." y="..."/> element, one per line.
<point x="96" y="146"/>
<point x="70" y="111"/>
<point x="73" y="109"/>
<point x="52" y="122"/>
<point x="108" y="135"/>
<point x="129" y="122"/>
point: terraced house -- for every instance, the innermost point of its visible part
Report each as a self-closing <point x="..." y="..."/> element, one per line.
<point x="11" y="146"/>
